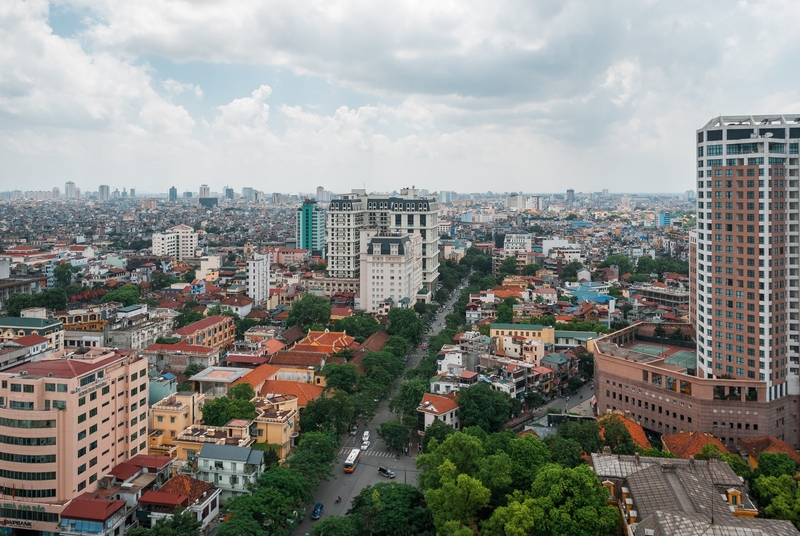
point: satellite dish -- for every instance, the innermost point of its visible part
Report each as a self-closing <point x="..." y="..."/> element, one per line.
<point x="768" y="135"/>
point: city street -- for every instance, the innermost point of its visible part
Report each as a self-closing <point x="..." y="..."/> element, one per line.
<point x="347" y="486"/>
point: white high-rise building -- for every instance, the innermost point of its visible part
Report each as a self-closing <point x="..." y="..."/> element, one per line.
<point x="69" y="190"/>
<point x="517" y="242"/>
<point x="744" y="255"/>
<point x="180" y="242"/>
<point x="103" y="192"/>
<point x="534" y="202"/>
<point x="407" y="213"/>
<point x="391" y="270"/>
<point x="258" y="278"/>
<point x="205" y="191"/>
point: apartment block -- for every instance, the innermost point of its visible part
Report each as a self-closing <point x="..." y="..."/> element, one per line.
<point x="407" y="212"/>
<point x="214" y="331"/>
<point x="65" y="422"/>
<point x="310" y="227"/>
<point x="179" y="242"/>
<point x="12" y="328"/>
<point x="258" y="279"/>
<point x="391" y="270"/>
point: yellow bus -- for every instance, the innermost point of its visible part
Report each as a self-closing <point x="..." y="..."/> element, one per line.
<point x="352" y="460"/>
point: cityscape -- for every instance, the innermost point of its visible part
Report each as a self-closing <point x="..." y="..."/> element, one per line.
<point x="402" y="269"/>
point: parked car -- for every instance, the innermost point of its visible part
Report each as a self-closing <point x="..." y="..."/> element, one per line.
<point x="388" y="473"/>
<point x="317" y="511"/>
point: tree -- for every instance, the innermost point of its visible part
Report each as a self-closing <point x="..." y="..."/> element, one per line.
<point x="441" y="296"/>
<point x="480" y="405"/>
<point x="220" y="411"/>
<point x="616" y="435"/>
<point x="63" y="274"/>
<point x="775" y="464"/>
<point x="528" y="455"/>
<point x="337" y="526"/>
<point x="241" y="525"/>
<point x="463" y="451"/>
<point x="459" y="498"/>
<point x="438" y="430"/>
<point x="180" y="523"/>
<point x="531" y="269"/>
<point x="736" y="462"/>
<point x="336" y="412"/>
<point x="646" y="266"/>
<point x="407" y="400"/>
<point x="621" y="261"/>
<point x="564" y="452"/>
<point x="159" y="280"/>
<point x="394" y="433"/>
<point x="186" y="317"/>
<point x="127" y="295"/>
<point x="508" y="266"/>
<point x="340" y="377"/>
<point x="308" y="311"/>
<point x="189" y="276"/>
<point x="389" y="509"/>
<point x="505" y="310"/>
<point x="570" y="271"/>
<point x="192" y="369"/>
<point x="241" y="391"/>
<point x="586" y="433"/>
<point x="406" y="323"/>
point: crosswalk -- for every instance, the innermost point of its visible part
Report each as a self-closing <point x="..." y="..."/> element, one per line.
<point x="345" y="451"/>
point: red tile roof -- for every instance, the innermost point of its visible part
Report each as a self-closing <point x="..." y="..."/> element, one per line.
<point x="63" y="368"/>
<point x="637" y="432"/>
<point x="437" y="404"/>
<point x="186" y="485"/>
<point x="200" y="324"/>
<point x="29" y="340"/>
<point x="687" y="444"/>
<point x="303" y="391"/>
<point x="258" y="376"/>
<point x="297" y="358"/>
<point x="160" y="498"/>
<point x="755" y="446"/>
<point x="91" y="509"/>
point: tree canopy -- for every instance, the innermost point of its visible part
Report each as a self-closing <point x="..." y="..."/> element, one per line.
<point x="310" y="311"/>
<point x="480" y="405"/>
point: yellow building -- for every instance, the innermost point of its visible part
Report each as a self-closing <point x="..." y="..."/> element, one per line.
<point x="545" y="334"/>
<point x="276" y="422"/>
<point x="190" y="442"/>
<point x="170" y="417"/>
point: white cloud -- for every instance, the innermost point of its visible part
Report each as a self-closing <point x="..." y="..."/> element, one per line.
<point x="176" y="88"/>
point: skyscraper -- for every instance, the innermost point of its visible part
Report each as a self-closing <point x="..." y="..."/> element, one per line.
<point x="310" y="227"/>
<point x="69" y="190"/>
<point x="744" y="256"/>
<point x="103" y="192"/>
<point x="405" y="213"/>
<point x="205" y="191"/>
<point x="173" y="194"/>
<point x="570" y="199"/>
<point x="258" y="278"/>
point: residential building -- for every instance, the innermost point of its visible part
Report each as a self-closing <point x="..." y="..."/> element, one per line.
<point x="528" y="332"/>
<point x="570" y="198"/>
<point x="90" y="515"/>
<point x="18" y="285"/>
<point x="14" y="327"/>
<point x="277" y="417"/>
<point x="70" y="191"/>
<point x="173" y="194"/>
<point x="438" y="408"/>
<point x="240" y="305"/>
<point x="171" y="416"/>
<point x="517" y="242"/>
<point x="215" y="381"/>
<point x="234" y="470"/>
<point x="179" y="242"/>
<point x="310" y="227"/>
<point x="61" y="429"/>
<point x="176" y="357"/>
<point x="214" y="331"/>
<point x="745" y="180"/>
<point x="258" y="279"/>
<point x="391" y="270"/>
<point x="407" y="212"/>
<point x="184" y="492"/>
<point x="205" y="191"/>
<point x="191" y="441"/>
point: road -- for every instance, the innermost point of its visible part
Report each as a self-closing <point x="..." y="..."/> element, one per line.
<point x="348" y="486"/>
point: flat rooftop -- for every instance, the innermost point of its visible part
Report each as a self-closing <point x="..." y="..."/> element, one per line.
<point x="678" y="357"/>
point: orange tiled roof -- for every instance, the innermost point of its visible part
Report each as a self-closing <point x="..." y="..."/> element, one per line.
<point x="437" y="404"/>
<point x="303" y="391"/>
<point x="298" y="358"/>
<point x="755" y="446"/>
<point x="687" y="444"/>
<point x="186" y="485"/>
<point x="637" y="432"/>
<point x="258" y="375"/>
<point x="326" y="341"/>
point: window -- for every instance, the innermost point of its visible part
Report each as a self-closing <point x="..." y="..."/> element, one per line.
<point x="712" y="150"/>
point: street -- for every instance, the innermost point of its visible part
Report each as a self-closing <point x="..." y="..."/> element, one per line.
<point x="347" y="486"/>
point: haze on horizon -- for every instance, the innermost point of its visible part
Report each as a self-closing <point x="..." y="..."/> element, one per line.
<point x="465" y="96"/>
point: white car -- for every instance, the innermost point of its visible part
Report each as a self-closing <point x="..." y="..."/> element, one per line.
<point x="365" y="445"/>
<point x="365" y="436"/>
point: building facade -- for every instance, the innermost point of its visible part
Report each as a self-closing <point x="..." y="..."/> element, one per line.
<point x="407" y="212"/>
<point x="65" y="422"/>
<point x="391" y="270"/>
<point x="179" y="242"/>
<point x="258" y="279"/>
<point x="310" y="227"/>
<point x="214" y="331"/>
<point x="744" y="254"/>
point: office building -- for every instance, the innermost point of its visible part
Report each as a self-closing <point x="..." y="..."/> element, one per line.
<point x="69" y="190"/>
<point x="517" y="242"/>
<point x="249" y="194"/>
<point x="405" y="213"/>
<point x="534" y="202"/>
<point x="310" y="227"/>
<point x="743" y="257"/>
<point x="173" y="194"/>
<point x="515" y="202"/>
<point x="258" y="279"/>
<point x="179" y="242"/>
<point x="228" y="193"/>
<point x="103" y="193"/>
<point x="664" y="219"/>
<point x="132" y="192"/>
<point x="391" y="270"/>
<point x="205" y="191"/>
<point x="68" y="420"/>
<point x="570" y="199"/>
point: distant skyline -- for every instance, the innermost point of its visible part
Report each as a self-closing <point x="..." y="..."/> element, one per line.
<point x="470" y="97"/>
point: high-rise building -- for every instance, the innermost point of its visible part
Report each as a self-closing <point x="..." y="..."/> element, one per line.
<point x="664" y="219"/>
<point x="515" y="202"/>
<point x="258" y="278"/>
<point x="534" y="202"/>
<point x="187" y="195"/>
<point x="570" y="199"/>
<point x="407" y="213"/>
<point x="173" y="194"/>
<point x="248" y="193"/>
<point x="103" y="193"/>
<point x="743" y="257"/>
<point x="205" y="191"/>
<point x="228" y="193"/>
<point x="133" y="192"/>
<point x="179" y="242"/>
<point x="69" y="190"/>
<point x="56" y="193"/>
<point x="384" y="253"/>
<point x="310" y="227"/>
<point x="63" y="430"/>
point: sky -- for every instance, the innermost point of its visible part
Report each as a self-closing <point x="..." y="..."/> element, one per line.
<point x="471" y="96"/>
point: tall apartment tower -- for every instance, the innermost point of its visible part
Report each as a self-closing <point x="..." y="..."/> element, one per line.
<point x="258" y="278"/>
<point x="570" y="197"/>
<point x="173" y="194"/>
<point x="56" y="193"/>
<point x="310" y="227"/>
<point x="103" y="192"/>
<point x="744" y="256"/>
<point x="205" y="191"/>
<point x="179" y="242"/>
<point x="69" y="190"/>
<point x="405" y="213"/>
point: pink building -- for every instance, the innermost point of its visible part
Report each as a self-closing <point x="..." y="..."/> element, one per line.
<point x="65" y="422"/>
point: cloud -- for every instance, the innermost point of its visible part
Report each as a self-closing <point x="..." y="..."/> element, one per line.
<point x="176" y="88"/>
<point x="245" y="116"/>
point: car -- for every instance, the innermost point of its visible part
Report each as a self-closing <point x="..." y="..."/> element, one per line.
<point x="384" y="471"/>
<point x="354" y="430"/>
<point x="365" y="445"/>
<point x="317" y="511"/>
<point x="365" y="437"/>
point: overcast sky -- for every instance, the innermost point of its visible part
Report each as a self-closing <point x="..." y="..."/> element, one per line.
<point x="533" y="96"/>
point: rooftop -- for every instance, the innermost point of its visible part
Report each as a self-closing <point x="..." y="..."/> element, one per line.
<point x="220" y="374"/>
